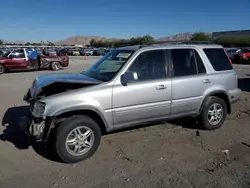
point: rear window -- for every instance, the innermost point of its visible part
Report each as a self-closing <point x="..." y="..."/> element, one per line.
<point x="218" y="59"/>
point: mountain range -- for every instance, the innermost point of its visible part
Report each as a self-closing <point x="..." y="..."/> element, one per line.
<point x="84" y="40"/>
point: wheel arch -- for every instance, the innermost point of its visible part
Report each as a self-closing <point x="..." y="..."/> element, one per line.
<point x="54" y="122"/>
<point x="221" y="94"/>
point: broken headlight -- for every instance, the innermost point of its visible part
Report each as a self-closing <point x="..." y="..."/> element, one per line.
<point x="38" y="109"/>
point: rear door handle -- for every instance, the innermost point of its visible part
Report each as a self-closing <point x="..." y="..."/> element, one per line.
<point x="161" y="87"/>
<point x="206" y="81"/>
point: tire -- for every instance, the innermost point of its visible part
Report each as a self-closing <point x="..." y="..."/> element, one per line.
<point x="2" y="69"/>
<point x="66" y="153"/>
<point x="206" y="113"/>
<point x="55" y="66"/>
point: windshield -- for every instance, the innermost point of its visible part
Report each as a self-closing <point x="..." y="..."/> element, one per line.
<point x="108" y="66"/>
<point x="6" y="54"/>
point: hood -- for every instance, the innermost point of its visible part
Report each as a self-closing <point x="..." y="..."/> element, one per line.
<point x="63" y="78"/>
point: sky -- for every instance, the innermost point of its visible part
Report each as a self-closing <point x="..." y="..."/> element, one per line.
<point x="54" y="20"/>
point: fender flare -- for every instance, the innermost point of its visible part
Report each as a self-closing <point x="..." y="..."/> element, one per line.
<point x="52" y="119"/>
<point x="214" y="93"/>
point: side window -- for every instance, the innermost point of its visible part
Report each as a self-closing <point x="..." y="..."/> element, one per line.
<point x="200" y="65"/>
<point x="187" y="62"/>
<point x="18" y="54"/>
<point x="150" y="65"/>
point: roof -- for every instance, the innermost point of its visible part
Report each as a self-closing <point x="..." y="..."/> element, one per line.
<point x="134" y="47"/>
<point x="160" y="44"/>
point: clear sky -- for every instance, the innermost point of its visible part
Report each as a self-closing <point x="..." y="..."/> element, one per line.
<point x="53" y="20"/>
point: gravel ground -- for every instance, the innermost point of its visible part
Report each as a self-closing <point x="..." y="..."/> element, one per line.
<point x="169" y="154"/>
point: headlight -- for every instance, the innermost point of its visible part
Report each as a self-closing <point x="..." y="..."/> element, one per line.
<point x="38" y="109"/>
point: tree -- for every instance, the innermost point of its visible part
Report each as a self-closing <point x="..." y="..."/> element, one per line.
<point x="201" y="36"/>
<point x="1" y="42"/>
<point x="147" y="38"/>
<point x="51" y="44"/>
<point x="240" y="41"/>
<point x="27" y="44"/>
<point x="93" y="42"/>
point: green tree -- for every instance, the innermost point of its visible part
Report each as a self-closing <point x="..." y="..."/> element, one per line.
<point x="147" y="38"/>
<point x="201" y="36"/>
<point x="93" y="43"/>
<point x="227" y="41"/>
<point x="1" y="42"/>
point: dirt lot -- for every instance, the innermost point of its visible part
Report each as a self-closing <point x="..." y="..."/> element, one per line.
<point x="170" y="154"/>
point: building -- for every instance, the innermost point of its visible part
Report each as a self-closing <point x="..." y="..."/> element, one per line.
<point x="241" y="33"/>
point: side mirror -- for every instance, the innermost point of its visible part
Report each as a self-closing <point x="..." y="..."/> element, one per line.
<point x="129" y="77"/>
<point x="10" y="56"/>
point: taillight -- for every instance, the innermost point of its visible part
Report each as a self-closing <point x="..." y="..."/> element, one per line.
<point x="228" y="57"/>
<point x="244" y="56"/>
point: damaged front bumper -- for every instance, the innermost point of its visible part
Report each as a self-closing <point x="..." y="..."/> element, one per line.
<point x="37" y="129"/>
<point x="27" y="97"/>
<point x="33" y="127"/>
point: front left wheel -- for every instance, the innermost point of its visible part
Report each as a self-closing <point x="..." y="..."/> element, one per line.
<point x="77" y="139"/>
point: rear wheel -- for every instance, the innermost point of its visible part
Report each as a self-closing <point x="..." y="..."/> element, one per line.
<point x="55" y="66"/>
<point x="77" y="138"/>
<point x="214" y="113"/>
<point x="2" y="69"/>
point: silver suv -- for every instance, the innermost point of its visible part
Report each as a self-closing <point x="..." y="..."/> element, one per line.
<point x="130" y="86"/>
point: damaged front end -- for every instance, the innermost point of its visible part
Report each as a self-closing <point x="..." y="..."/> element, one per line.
<point x="36" y="122"/>
<point x="39" y="125"/>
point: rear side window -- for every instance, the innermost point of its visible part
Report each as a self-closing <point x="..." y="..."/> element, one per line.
<point x="187" y="62"/>
<point x="218" y="59"/>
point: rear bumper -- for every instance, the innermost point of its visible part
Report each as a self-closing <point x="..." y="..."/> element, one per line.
<point x="234" y="96"/>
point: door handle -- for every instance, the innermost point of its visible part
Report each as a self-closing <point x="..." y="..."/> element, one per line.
<point x="206" y="81"/>
<point x="161" y="87"/>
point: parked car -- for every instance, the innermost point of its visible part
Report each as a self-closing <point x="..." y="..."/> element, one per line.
<point x="63" y="52"/>
<point x="231" y="52"/>
<point x="49" y="51"/>
<point x="75" y="52"/>
<point x="18" y="60"/>
<point x="130" y="86"/>
<point x="242" y="56"/>
<point x="99" y="52"/>
<point x="87" y="51"/>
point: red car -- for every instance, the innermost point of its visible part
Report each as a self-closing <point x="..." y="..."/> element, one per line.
<point x="18" y="60"/>
<point x="246" y="54"/>
<point x="242" y="56"/>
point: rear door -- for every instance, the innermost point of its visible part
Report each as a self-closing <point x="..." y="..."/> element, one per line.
<point x="189" y="81"/>
<point x="225" y="75"/>
<point x="149" y="97"/>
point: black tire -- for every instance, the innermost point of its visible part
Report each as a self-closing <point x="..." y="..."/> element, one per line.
<point x="55" y="66"/>
<point x="204" y="114"/>
<point x="2" y="69"/>
<point x="63" y="131"/>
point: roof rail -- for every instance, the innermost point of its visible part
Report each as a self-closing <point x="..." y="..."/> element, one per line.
<point x="176" y="42"/>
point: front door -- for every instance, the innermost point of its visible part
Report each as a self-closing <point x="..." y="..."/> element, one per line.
<point x="17" y="60"/>
<point x="149" y="97"/>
